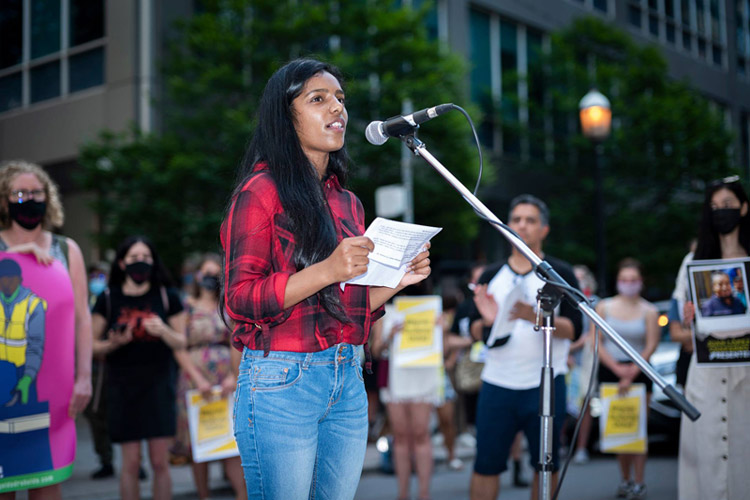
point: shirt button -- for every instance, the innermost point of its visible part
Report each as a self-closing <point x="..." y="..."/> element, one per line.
<point x="723" y="419"/>
<point x="723" y="400"/>
<point x="723" y="381"/>
<point x="723" y="438"/>
<point x="725" y="457"/>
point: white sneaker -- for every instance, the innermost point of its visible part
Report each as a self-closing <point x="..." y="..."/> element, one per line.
<point x="581" y="457"/>
<point x="455" y="464"/>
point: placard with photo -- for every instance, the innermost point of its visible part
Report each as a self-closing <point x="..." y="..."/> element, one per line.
<point x="719" y="292"/>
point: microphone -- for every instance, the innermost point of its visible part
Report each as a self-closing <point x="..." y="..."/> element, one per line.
<point x="378" y="132"/>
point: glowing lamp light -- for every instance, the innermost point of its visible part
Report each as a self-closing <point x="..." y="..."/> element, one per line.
<point x="595" y="115"/>
<point x="663" y="320"/>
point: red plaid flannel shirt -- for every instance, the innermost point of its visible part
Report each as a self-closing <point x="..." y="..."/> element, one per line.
<point x="258" y="246"/>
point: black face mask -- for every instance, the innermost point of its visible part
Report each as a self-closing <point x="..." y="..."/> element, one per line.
<point x="210" y="282"/>
<point x="140" y="272"/>
<point x="725" y="219"/>
<point x="28" y="214"/>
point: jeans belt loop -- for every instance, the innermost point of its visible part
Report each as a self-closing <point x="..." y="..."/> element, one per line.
<point x="307" y="361"/>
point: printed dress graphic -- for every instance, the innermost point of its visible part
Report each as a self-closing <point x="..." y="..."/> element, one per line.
<point x="37" y="438"/>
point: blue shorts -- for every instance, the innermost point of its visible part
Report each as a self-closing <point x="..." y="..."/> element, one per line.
<point x="501" y="413"/>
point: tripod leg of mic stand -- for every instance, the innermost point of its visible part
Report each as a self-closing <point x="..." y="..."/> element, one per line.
<point x="546" y="414"/>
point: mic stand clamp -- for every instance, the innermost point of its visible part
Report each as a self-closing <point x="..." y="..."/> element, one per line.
<point x="547" y="299"/>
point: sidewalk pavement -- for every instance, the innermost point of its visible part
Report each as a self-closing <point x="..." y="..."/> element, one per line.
<point x="80" y="486"/>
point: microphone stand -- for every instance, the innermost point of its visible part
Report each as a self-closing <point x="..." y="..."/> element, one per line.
<point x="547" y="299"/>
<point x="554" y="282"/>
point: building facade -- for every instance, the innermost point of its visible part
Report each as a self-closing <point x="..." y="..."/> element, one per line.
<point x="70" y="68"/>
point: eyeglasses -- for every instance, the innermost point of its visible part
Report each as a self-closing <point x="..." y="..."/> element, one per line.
<point x="26" y="195"/>
<point x="726" y="180"/>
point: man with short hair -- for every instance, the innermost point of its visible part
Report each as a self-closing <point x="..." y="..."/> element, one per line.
<point x="509" y="397"/>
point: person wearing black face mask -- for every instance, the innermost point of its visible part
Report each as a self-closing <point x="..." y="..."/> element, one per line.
<point x="707" y="468"/>
<point x="29" y="208"/>
<point x="206" y="366"/>
<point x="138" y="323"/>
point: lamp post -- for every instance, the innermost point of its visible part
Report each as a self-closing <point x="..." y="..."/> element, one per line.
<point x="596" y="121"/>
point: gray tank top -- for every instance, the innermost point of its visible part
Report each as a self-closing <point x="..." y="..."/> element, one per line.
<point x="633" y="331"/>
<point x="56" y="250"/>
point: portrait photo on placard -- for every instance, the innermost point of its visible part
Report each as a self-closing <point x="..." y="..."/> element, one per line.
<point x="719" y="291"/>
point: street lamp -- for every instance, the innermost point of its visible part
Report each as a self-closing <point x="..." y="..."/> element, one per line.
<point x="596" y="121"/>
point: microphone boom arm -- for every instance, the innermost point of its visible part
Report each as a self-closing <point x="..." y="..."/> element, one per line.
<point x="548" y="272"/>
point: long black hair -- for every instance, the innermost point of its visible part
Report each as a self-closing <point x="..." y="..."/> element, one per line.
<point x="275" y="143"/>
<point x="159" y="274"/>
<point x="709" y="246"/>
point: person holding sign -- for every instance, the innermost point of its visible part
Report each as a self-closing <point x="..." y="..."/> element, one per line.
<point x="715" y="450"/>
<point x="290" y="236"/>
<point x="636" y="320"/>
<point x="57" y="385"/>
<point x="205" y="364"/>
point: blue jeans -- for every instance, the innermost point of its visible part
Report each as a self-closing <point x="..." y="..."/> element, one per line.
<point x="300" y="420"/>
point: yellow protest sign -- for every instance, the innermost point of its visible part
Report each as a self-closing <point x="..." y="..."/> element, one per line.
<point x="210" y="426"/>
<point x="622" y="423"/>
<point x="212" y="419"/>
<point x="419" y="342"/>
<point x="418" y="330"/>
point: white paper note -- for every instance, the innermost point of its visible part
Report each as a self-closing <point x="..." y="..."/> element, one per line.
<point x="396" y="244"/>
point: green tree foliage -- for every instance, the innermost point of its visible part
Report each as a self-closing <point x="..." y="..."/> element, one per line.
<point x="666" y="142"/>
<point x="174" y="186"/>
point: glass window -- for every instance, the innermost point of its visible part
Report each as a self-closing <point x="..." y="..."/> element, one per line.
<point x="601" y="5"/>
<point x="536" y="93"/>
<point x="670" y="33"/>
<point x="745" y="138"/>
<point x="10" y="91"/>
<point x="715" y="24"/>
<point x="481" y="70"/>
<point x="86" y="69"/>
<point x="653" y="4"/>
<point x="45" y="27"/>
<point x="634" y="15"/>
<point x="653" y="25"/>
<point x="669" y="8"/>
<point x="716" y="53"/>
<point x="700" y="15"/>
<point x="702" y="47"/>
<point x="11" y="33"/>
<point x="45" y="81"/>
<point x="509" y="65"/>
<point x="687" y="41"/>
<point x="86" y="21"/>
<point x="685" y="9"/>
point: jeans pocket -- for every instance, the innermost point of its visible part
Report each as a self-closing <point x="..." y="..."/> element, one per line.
<point x="275" y="374"/>
<point x="358" y="368"/>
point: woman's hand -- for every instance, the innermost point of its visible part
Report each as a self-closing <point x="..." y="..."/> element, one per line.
<point x="349" y="259"/>
<point x="418" y="269"/>
<point x="688" y="314"/>
<point x="203" y="385"/>
<point x="42" y="256"/>
<point x="80" y="397"/>
<point x="155" y="326"/>
<point x="118" y="339"/>
<point x="228" y="385"/>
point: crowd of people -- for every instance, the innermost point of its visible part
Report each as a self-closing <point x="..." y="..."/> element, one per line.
<point x="269" y="320"/>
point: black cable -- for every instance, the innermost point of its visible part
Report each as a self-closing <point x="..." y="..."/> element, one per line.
<point x="476" y="141"/>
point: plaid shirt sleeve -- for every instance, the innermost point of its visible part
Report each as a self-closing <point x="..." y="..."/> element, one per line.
<point x="254" y="285"/>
